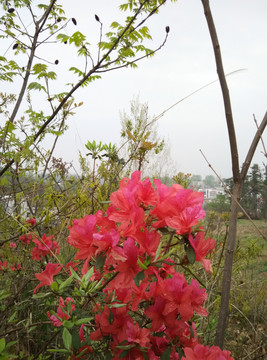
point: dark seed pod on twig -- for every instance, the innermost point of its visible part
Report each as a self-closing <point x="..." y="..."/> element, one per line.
<point x="56" y="62"/>
<point x="167" y="28"/>
<point x="11" y="10"/>
<point x="59" y="19"/>
<point x="74" y="21"/>
<point x="15" y="46"/>
<point x="65" y="42"/>
<point x="97" y="18"/>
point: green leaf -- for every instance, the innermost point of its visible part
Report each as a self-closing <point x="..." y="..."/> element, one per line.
<point x="116" y="306"/>
<point x="123" y="354"/>
<point x="58" y="351"/>
<point x="77" y="38"/>
<point x="168" y="262"/>
<point x="125" y="347"/>
<point x="68" y="324"/>
<point x="36" y="86"/>
<point x="191" y="331"/>
<point x="54" y="286"/>
<point x="66" y="283"/>
<point x="77" y="71"/>
<point x="110" y="317"/>
<point x="139" y="277"/>
<point x="67" y="338"/>
<point x="158" y="251"/>
<point x="87" y="276"/>
<point x="100" y="261"/>
<point x="2" y="344"/>
<point x="180" y="352"/>
<point x="190" y="254"/>
<point x="11" y="343"/>
<point x="142" y="266"/>
<point x="63" y="37"/>
<point x="166" y="354"/>
<point x="76" y="276"/>
<point x="12" y="317"/>
<point x="145" y="355"/>
<point x="40" y="295"/>
<point x="37" y="68"/>
<point x="76" y="341"/>
<point x="83" y="321"/>
<point x="3" y="181"/>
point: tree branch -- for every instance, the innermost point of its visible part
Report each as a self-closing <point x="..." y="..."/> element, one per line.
<point x="253" y="147"/>
<point x="225" y="90"/>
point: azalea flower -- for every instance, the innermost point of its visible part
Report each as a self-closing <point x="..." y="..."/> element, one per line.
<point x="44" y="247"/>
<point x="200" y="352"/>
<point x="202" y="248"/>
<point x="62" y="313"/>
<point x="31" y="222"/>
<point x="46" y="276"/>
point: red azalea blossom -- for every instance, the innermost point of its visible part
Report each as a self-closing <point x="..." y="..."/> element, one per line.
<point x="26" y="239"/>
<point x="111" y="322"/>
<point x="44" y="247"/>
<point x="128" y="267"/>
<point x="46" y="277"/>
<point x="81" y="237"/>
<point x="3" y="265"/>
<point x="14" y="267"/>
<point x="81" y="333"/>
<point x="200" y="352"/>
<point x="202" y="248"/>
<point x="31" y="222"/>
<point x="124" y="249"/>
<point x="62" y="313"/>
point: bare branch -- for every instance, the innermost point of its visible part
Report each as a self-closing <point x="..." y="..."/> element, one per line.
<point x="253" y="147"/>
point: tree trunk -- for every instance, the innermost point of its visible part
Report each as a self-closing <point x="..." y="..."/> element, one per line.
<point x="228" y="264"/>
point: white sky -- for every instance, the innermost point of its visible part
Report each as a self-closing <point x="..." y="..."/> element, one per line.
<point x="184" y="64"/>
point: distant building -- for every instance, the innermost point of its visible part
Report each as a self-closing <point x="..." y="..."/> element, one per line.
<point x="210" y="194"/>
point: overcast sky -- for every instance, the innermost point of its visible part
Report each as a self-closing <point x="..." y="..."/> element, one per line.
<point x="184" y="64"/>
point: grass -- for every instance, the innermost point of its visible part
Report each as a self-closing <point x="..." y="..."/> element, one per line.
<point x="248" y="314"/>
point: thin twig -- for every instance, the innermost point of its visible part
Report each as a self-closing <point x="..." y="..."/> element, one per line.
<point x="244" y="317"/>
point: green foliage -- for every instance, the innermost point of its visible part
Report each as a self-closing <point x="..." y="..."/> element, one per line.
<point x="139" y="134"/>
<point x="220" y="204"/>
<point x="182" y="179"/>
<point x="254" y="192"/>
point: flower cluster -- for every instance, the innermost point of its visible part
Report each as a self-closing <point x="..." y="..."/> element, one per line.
<point x="146" y="307"/>
<point x="62" y="313"/>
<point x="44" y="247"/>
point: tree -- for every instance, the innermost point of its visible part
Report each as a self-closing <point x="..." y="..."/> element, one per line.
<point x="253" y="192"/>
<point x="210" y="181"/>
<point x="264" y="195"/>
<point x="118" y="49"/>
<point x="29" y="173"/>
<point x="256" y="185"/>
<point x="238" y="175"/>
<point x="220" y="204"/>
<point x="40" y="110"/>
<point x="140" y="139"/>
